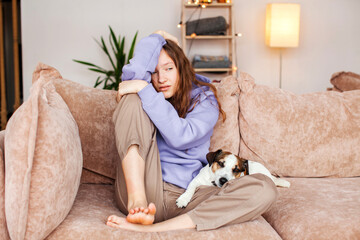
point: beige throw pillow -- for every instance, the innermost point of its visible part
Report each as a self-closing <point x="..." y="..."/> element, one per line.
<point x="3" y="228"/>
<point x="43" y="163"/>
<point x="308" y="135"/>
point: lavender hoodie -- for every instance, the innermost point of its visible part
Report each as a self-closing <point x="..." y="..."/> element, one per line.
<point x="183" y="142"/>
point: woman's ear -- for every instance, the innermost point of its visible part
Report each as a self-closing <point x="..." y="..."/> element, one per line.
<point x="211" y="156"/>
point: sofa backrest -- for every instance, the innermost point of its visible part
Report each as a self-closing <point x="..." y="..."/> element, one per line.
<point x="92" y="110"/>
<point x="308" y="135"/>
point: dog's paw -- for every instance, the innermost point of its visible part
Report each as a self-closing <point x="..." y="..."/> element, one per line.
<point x="182" y="201"/>
<point x="281" y="182"/>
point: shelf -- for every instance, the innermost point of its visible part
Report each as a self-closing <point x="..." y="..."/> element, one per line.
<point x="221" y="41"/>
<point x="218" y="5"/>
<point x="213" y="69"/>
<point x="209" y="37"/>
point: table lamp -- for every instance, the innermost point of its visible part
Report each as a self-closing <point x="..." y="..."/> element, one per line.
<point x="282" y="27"/>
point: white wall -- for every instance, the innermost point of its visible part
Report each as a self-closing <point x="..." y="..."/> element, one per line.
<point x="55" y="32"/>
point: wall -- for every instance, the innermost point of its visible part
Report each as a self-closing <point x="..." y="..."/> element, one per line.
<point x="55" y="32"/>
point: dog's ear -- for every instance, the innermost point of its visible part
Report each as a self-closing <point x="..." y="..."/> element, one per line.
<point x="211" y="156"/>
<point x="245" y="166"/>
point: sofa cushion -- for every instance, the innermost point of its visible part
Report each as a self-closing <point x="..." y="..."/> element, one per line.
<point x="226" y="133"/>
<point x="95" y="202"/>
<point x="3" y="228"/>
<point x="322" y="208"/>
<point x="43" y="163"/>
<point x="92" y="110"/>
<point x="308" y="135"/>
<point x="345" y="81"/>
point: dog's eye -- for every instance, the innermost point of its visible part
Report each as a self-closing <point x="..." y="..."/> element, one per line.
<point x="221" y="164"/>
<point x="236" y="170"/>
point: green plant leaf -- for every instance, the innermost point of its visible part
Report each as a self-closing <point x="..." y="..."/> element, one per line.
<point x="122" y="55"/>
<point x="132" y="48"/>
<point x="87" y="63"/>
<point x="114" y="40"/>
<point x="97" y="83"/>
<point x="117" y="57"/>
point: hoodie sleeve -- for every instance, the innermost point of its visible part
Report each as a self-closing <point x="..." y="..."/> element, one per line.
<point x="145" y="59"/>
<point x="181" y="133"/>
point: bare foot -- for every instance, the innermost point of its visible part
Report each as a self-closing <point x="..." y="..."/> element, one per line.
<point x="140" y="215"/>
<point x="179" y="222"/>
<point x="122" y="223"/>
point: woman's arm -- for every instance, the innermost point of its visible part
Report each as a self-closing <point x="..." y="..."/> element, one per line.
<point x="142" y="65"/>
<point x="181" y="133"/>
<point x="127" y="87"/>
<point x="145" y="59"/>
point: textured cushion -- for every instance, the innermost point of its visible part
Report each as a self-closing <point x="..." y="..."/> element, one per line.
<point x="3" y="228"/>
<point x="318" y="209"/>
<point x="43" y="163"/>
<point x="95" y="203"/>
<point x="345" y="81"/>
<point x="226" y="134"/>
<point x="92" y="110"/>
<point x="308" y="135"/>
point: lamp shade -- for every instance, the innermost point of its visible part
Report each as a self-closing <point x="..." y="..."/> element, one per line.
<point x="282" y="24"/>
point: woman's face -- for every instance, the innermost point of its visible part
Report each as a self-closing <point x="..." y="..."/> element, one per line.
<point x="165" y="78"/>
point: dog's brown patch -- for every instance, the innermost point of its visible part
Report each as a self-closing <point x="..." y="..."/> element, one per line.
<point x="219" y="161"/>
<point x="239" y="167"/>
<point x="215" y="166"/>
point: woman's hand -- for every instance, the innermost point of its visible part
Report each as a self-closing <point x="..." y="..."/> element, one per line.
<point x="131" y="86"/>
<point x="167" y="35"/>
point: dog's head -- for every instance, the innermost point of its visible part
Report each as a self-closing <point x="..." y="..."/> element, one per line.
<point x="226" y="166"/>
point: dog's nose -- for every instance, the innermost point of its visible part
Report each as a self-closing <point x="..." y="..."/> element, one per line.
<point x="222" y="181"/>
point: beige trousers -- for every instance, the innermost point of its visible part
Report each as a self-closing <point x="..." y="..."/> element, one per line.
<point x="239" y="200"/>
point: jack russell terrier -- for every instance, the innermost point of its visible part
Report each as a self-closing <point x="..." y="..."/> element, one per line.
<point x="223" y="167"/>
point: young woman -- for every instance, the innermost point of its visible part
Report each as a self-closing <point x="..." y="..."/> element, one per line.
<point x="163" y="125"/>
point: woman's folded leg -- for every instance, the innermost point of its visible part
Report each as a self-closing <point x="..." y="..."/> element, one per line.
<point x="139" y="160"/>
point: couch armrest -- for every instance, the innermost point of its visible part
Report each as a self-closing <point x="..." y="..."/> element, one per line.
<point x="3" y="228"/>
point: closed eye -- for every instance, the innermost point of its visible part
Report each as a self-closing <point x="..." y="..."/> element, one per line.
<point x="236" y="170"/>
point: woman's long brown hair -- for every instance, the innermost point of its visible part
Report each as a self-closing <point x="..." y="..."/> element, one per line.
<point x="181" y="100"/>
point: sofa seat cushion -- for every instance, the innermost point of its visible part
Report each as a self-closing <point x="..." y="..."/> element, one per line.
<point x="95" y="202"/>
<point x="317" y="208"/>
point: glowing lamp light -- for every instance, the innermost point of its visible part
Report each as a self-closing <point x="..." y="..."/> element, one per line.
<point x="282" y="25"/>
<point x="282" y="28"/>
<point x="179" y="24"/>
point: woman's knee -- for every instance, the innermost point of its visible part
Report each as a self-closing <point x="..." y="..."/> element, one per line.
<point x="128" y="106"/>
<point x="130" y="100"/>
<point x="268" y="192"/>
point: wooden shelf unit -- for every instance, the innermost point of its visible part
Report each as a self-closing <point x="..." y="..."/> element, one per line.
<point x="230" y="37"/>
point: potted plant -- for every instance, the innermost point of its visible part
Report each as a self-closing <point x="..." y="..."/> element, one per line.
<point x="117" y="57"/>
